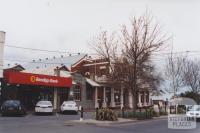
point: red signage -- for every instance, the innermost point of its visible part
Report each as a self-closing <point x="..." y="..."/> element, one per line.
<point x="37" y="79"/>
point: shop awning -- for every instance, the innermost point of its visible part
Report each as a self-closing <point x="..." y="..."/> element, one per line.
<point x="92" y="83"/>
<point x="37" y="79"/>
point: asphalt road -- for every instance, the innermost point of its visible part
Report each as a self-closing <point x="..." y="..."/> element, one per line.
<point x="55" y="124"/>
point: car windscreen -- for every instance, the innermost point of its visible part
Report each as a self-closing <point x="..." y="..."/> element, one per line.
<point x="11" y="103"/>
<point x="45" y="103"/>
<point x="69" y="102"/>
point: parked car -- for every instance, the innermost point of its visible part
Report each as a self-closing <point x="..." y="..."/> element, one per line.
<point x="194" y="112"/>
<point x="44" y="107"/>
<point x="69" y="106"/>
<point x="13" y="107"/>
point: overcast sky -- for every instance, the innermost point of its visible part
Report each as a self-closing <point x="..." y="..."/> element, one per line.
<point x="67" y="25"/>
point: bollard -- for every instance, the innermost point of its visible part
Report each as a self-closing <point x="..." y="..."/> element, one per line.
<point x="146" y="115"/>
<point x="81" y="119"/>
<point x="97" y="114"/>
<point x="122" y="112"/>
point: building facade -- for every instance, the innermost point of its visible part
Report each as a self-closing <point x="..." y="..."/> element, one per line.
<point x="90" y="86"/>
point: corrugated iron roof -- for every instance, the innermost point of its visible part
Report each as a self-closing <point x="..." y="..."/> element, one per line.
<point x="68" y="61"/>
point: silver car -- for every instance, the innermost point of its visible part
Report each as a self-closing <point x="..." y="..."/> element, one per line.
<point x="44" y="107"/>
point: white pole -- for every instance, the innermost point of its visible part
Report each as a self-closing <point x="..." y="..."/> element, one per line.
<point x="2" y="42"/>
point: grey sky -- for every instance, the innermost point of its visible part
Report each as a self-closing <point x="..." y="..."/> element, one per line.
<point x="67" y="25"/>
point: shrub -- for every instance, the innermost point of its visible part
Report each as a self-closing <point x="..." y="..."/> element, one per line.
<point x="106" y="114"/>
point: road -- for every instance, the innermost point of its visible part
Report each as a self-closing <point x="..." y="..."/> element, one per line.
<point x="55" y="124"/>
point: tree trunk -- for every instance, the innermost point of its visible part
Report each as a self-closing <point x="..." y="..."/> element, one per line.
<point x="134" y="100"/>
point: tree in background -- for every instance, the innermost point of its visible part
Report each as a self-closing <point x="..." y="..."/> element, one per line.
<point x="183" y="72"/>
<point x="191" y="75"/>
<point x="174" y="72"/>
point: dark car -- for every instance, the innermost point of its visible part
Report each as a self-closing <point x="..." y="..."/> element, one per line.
<point x="12" y="107"/>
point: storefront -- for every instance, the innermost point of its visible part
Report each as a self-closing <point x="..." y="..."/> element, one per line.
<point x="30" y="88"/>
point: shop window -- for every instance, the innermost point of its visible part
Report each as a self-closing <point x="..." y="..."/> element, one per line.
<point x="77" y="93"/>
<point x="117" y="96"/>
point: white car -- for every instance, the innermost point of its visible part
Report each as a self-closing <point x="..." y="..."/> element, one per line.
<point x="44" y="107"/>
<point x="69" y="106"/>
<point x="194" y="112"/>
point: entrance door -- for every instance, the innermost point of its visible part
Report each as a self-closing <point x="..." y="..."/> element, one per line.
<point x="63" y="95"/>
<point x="108" y="96"/>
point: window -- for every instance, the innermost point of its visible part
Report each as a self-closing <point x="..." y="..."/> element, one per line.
<point x="117" y="96"/>
<point x="77" y="93"/>
<point x="90" y="91"/>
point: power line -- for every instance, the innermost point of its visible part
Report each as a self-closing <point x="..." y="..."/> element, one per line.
<point x="57" y="51"/>
<point x="42" y="50"/>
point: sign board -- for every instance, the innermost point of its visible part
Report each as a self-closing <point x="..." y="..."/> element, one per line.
<point x="37" y="79"/>
<point x="2" y="41"/>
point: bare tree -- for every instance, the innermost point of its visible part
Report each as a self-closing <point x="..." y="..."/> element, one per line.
<point x="174" y="72"/>
<point x="183" y="72"/>
<point x="106" y="47"/>
<point x="139" y="41"/>
<point x="192" y="75"/>
<point x="131" y="66"/>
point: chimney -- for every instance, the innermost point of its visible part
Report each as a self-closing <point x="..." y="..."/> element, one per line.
<point x="61" y="56"/>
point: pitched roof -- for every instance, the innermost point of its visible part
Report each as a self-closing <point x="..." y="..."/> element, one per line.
<point x="67" y="61"/>
<point x="48" y="71"/>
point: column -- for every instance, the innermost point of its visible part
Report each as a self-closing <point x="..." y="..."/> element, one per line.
<point x="55" y="98"/>
<point x="122" y="98"/>
<point x="96" y="98"/>
<point x="112" y="98"/>
<point x="145" y="99"/>
<point x="104" y="97"/>
<point x="139" y="99"/>
<point x="130" y="98"/>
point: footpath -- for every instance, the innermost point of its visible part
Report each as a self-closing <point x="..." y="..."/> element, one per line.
<point x="109" y="123"/>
